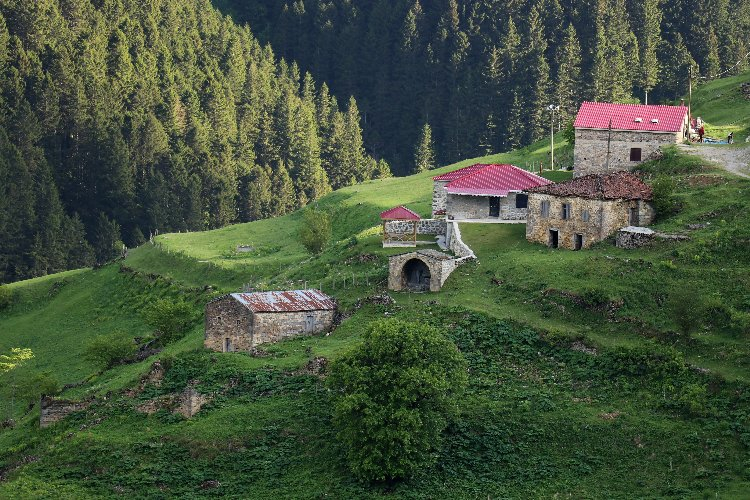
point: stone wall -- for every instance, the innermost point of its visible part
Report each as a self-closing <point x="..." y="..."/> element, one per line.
<point x="275" y="326"/>
<point x="424" y="226"/>
<point x="478" y="207"/>
<point x="590" y="152"/>
<point x="632" y="237"/>
<point x="53" y="410"/>
<point x="228" y="319"/>
<point x="456" y="244"/>
<point x="439" y="264"/>
<point x="604" y="218"/>
<point x="439" y="196"/>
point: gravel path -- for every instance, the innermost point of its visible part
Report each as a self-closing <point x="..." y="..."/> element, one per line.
<point x="735" y="159"/>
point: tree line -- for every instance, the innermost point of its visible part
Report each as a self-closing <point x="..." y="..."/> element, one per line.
<point x="481" y="73"/>
<point x="124" y="117"/>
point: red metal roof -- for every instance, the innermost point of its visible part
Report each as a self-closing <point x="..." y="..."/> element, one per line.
<point x="399" y="213"/>
<point x="457" y="174"/>
<point x="495" y="180"/>
<point x="615" y="186"/>
<point x="597" y="115"/>
<point x="288" y="301"/>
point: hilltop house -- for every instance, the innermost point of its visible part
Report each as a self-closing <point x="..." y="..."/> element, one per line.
<point x="611" y="137"/>
<point x="484" y="192"/>
<point x="577" y="213"/>
<point x="241" y="321"/>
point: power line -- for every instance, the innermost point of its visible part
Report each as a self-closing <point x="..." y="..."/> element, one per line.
<point x="725" y="71"/>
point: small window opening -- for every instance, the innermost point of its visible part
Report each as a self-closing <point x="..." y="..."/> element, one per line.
<point x="522" y="200"/>
<point x="635" y="154"/>
<point x="585" y="216"/>
<point x="566" y="211"/>
<point x="545" y="208"/>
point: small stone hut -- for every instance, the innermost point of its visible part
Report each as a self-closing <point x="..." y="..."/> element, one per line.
<point x="420" y="271"/>
<point x="611" y="137"/>
<point x="241" y="321"/>
<point x="484" y="192"/>
<point x="579" y="212"/>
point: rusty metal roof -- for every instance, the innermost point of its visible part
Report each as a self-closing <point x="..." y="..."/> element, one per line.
<point x="286" y="301"/>
<point x="613" y="186"/>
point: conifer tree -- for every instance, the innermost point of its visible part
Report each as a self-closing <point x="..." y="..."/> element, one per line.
<point x="424" y="154"/>
<point x="648" y="29"/>
<point x="569" y="83"/>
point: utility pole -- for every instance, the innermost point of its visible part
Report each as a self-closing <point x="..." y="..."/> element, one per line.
<point x="609" y="141"/>
<point x="690" y="94"/>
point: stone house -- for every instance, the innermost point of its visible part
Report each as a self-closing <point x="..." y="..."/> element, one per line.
<point x="484" y="192"/>
<point x="577" y="213"/>
<point x="611" y="137"/>
<point x="241" y="321"/>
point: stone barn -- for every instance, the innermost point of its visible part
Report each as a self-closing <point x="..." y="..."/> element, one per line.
<point x="420" y="271"/>
<point x="579" y="212"/>
<point x="484" y="192"/>
<point x="611" y="137"/>
<point x="241" y="321"/>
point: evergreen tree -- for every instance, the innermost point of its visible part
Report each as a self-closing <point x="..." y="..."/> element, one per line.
<point x="569" y="85"/>
<point x="648" y="28"/>
<point x="424" y="154"/>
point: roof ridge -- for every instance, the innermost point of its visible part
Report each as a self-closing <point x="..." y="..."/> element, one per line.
<point x="471" y="174"/>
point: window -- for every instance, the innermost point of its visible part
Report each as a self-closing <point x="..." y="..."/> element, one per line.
<point x="239" y="322"/>
<point x="585" y="216"/>
<point x="218" y="320"/>
<point x="522" y="200"/>
<point x="634" y="220"/>
<point x="566" y="211"/>
<point x="545" y="208"/>
<point x="635" y="154"/>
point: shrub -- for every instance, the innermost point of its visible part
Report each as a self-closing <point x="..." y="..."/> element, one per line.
<point x="315" y="230"/>
<point x="171" y="320"/>
<point x="686" y="309"/>
<point x="106" y="351"/>
<point x="6" y="297"/>
<point x="664" y="200"/>
<point x="393" y="397"/>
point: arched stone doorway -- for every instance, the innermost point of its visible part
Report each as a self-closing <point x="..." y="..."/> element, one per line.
<point x="416" y="276"/>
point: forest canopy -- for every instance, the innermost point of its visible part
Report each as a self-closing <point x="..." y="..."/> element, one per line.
<point x="125" y="117"/>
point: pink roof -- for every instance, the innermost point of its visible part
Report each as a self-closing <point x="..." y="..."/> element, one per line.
<point x="495" y="180"/>
<point x="399" y="213"/>
<point x="457" y="174"/>
<point x="289" y="301"/>
<point x="597" y="115"/>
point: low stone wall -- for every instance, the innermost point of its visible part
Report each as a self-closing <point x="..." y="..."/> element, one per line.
<point x="632" y="237"/>
<point x="424" y="226"/>
<point x="456" y="244"/>
<point x="53" y="410"/>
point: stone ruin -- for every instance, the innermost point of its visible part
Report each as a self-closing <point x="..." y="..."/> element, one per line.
<point x="632" y="237"/>
<point x="53" y="409"/>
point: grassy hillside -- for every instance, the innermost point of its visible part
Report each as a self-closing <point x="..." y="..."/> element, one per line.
<point x="580" y="383"/>
<point x="721" y="104"/>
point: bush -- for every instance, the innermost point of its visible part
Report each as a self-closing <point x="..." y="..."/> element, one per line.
<point x="665" y="203"/>
<point x="6" y="297"/>
<point x="393" y="397"/>
<point x="171" y="320"/>
<point x="315" y="230"/>
<point x="686" y="309"/>
<point x="106" y="351"/>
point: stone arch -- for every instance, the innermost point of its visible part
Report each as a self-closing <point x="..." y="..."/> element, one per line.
<point x="416" y="275"/>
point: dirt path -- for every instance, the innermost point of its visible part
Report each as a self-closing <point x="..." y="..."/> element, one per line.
<point x="735" y="159"/>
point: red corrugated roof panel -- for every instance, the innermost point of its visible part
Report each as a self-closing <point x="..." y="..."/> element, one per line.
<point x="399" y="213"/>
<point x="288" y="301"/>
<point x="457" y="174"/>
<point x="643" y="117"/>
<point x="615" y="186"/>
<point x="495" y="180"/>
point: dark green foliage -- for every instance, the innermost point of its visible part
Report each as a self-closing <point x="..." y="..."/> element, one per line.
<point x="687" y="309"/>
<point x="157" y="115"/>
<point x="424" y="153"/>
<point x="106" y="351"/>
<point x="315" y="231"/>
<point x="170" y="319"/>
<point x="664" y="201"/>
<point x="393" y="396"/>
<point x="461" y="64"/>
<point x="6" y="297"/>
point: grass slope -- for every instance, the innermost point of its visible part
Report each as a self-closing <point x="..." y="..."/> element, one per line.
<point x="721" y="104"/>
<point x="579" y="385"/>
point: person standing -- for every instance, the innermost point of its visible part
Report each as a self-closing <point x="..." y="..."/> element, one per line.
<point x="730" y="138"/>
